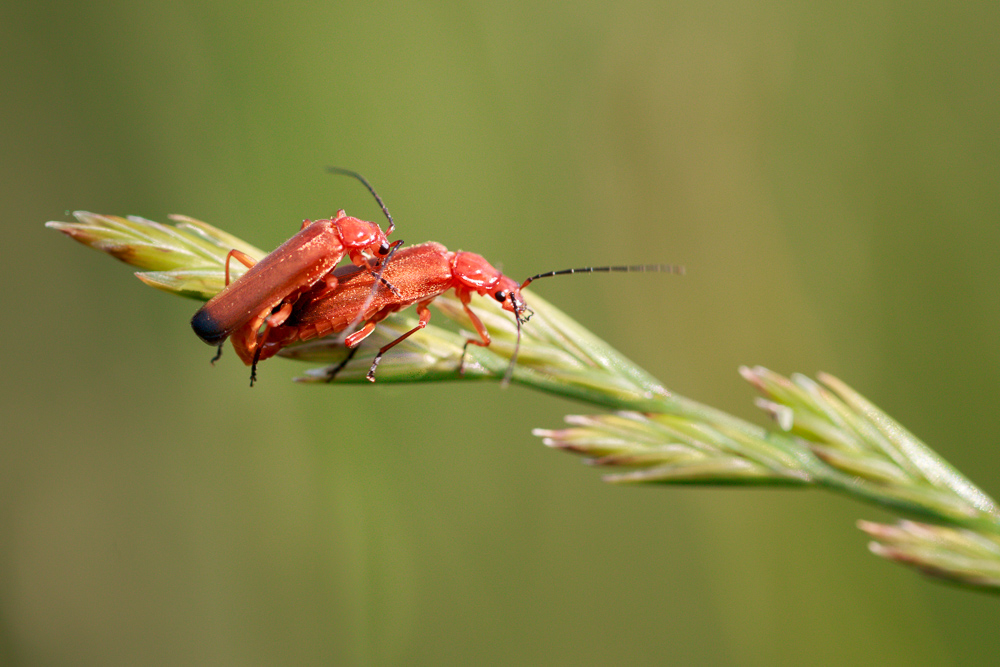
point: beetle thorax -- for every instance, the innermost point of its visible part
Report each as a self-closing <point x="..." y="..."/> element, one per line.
<point x="357" y="233"/>
<point x="474" y="272"/>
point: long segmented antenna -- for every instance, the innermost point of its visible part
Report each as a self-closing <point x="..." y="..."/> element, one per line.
<point x="392" y="250"/>
<point x="635" y="268"/>
<point x="513" y="358"/>
<point x="521" y="315"/>
<point x="371" y="295"/>
<point x="364" y="182"/>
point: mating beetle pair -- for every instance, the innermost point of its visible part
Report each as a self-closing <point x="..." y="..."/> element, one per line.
<point x="296" y="293"/>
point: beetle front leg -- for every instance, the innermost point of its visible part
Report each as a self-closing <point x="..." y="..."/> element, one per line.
<point x="484" y="335"/>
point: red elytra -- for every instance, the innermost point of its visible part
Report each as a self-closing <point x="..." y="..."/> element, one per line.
<point x="418" y="273"/>
<point x="291" y="269"/>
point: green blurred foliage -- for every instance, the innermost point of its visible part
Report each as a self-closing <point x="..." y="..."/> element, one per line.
<point x="828" y="173"/>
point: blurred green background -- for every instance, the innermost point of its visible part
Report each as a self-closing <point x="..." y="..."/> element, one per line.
<point x="828" y="172"/>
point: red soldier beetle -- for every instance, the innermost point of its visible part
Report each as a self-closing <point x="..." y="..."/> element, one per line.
<point x="268" y="289"/>
<point x="420" y="273"/>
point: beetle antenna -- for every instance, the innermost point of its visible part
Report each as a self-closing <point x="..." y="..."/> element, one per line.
<point x="371" y="295"/>
<point x="636" y="268"/>
<point x="513" y="358"/>
<point x="364" y="182"/>
<point x="522" y="315"/>
<point x="392" y="248"/>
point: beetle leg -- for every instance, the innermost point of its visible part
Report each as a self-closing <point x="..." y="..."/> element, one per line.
<point x="484" y="335"/>
<point x="253" y="367"/>
<point x="425" y="317"/>
<point x="355" y="338"/>
<point x="277" y="318"/>
<point x="351" y="342"/>
<point x="332" y="373"/>
<point x="243" y="258"/>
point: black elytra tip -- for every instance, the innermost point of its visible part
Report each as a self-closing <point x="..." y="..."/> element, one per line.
<point x="207" y="328"/>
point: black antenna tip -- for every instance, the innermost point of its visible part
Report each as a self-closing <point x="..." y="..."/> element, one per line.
<point x="371" y="189"/>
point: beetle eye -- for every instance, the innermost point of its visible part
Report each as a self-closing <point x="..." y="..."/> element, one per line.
<point x="500" y="296"/>
<point x="384" y="248"/>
